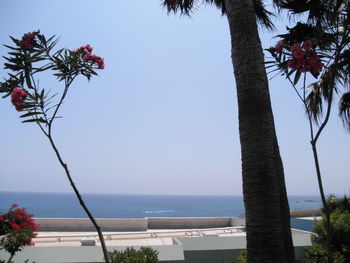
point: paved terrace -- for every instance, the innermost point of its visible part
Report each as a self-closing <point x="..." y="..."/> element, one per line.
<point x="133" y="231"/>
<point x="178" y="240"/>
<point x="137" y="238"/>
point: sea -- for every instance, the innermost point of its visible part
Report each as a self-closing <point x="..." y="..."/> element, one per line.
<point x="66" y="205"/>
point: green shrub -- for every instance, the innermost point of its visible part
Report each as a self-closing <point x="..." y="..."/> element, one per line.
<point x="340" y="221"/>
<point x="131" y="255"/>
<point x="318" y="254"/>
<point x="242" y="257"/>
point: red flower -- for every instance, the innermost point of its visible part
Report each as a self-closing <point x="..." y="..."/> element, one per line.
<point x="87" y="56"/>
<point x="18" y="96"/>
<point x="29" y="36"/>
<point x="292" y="64"/>
<point x="295" y="47"/>
<point x="88" y="48"/>
<point x="26" y="44"/>
<point x="28" y="40"/>
<point x="14" y="205"/>
<point x="306" y="67"/>
<point x="298" y="53"/>
<point x="316" y="68"/>
<point x="308" y="44"/>
<point x="101" y="63"/>
<point x="15" y="226"/>
<point x="279" y="46"/>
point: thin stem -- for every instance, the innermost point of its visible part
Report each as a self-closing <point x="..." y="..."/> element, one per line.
<point x="317" y="164"/>
<point x="48" y="134"/>
<point x="81" y="201"/>
<point x="65" y="167"/>
<point x="67" y="84"/>
<point x="9" y="260"/>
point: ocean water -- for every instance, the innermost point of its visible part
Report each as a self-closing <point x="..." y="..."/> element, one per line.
<point x="66" y="205"/>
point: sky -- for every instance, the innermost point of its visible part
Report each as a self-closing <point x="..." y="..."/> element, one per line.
<point x="161" y="118"/>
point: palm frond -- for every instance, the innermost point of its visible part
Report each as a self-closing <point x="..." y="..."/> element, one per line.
<point x="263" y="15"/>
<point x="316" y="8"/>
<point x="182" y="6"/>
<point x="302" y="31"/>
<point x="314" y="101"/>
<point x="322" y="92"/>
<point x="344" y="110"/>
<point x="186" y="6"/>
<point x="344" y="65"/>
<point x="219" y="4"/>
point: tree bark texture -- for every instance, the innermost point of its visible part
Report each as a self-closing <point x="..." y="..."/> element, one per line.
<point x="269" y="236"/>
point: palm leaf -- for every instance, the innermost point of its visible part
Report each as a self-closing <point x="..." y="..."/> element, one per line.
<point x="344" y="109"/>
<point x="322" y="92"/>
<point x="187" y="6"/>
<point x="182" y="6"/>
<point x="314" y="102"/>
<point x="263" y="15"/>
<point x="316" y="8"/>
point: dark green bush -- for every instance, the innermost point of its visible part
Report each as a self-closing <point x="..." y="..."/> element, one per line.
<point x="242" y="257"/>
<point x="131" y="255"/>
<point x="340" y="221"/>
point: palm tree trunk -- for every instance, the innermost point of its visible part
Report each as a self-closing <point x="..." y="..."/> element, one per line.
<point x="267" y="210"/>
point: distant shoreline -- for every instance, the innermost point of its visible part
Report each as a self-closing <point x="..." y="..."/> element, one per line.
<point x="309" y="201"/>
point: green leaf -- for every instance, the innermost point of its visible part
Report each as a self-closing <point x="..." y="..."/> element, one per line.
<point x="14" y="40"/>
<point x="13" y="48"/>
<point x="30" y="114"/>
<point x="35" y="120"/>
<point x="290" y="73"/>
<point x="297" y="77"/>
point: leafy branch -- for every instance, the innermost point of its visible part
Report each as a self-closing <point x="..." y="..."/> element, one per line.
<point x="34" y="55"/>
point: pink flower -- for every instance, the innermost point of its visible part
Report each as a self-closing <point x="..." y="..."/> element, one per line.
<point x="295" y="47"/>
<point x="296" y="63"/>
<point x="87" y="56"/>
<point x="26" y="44"/>
<point x="14" y="205"/>
<point x="18" y="96"/>
<point x="101" y="63"/>
<point x="298" y="53"/>
<point x="29" y="36"/>
<point x="292" y="64"/>
<point x="300" y="62"/>
<point x="308" y="44"/>
<point x="279" y="46"/>
<point x="28" y="40"/>
<point x="15" y="226"/>
<point x="317" y="68"/>
<point x="307" y="65"/>
<point x="86" y="48"/>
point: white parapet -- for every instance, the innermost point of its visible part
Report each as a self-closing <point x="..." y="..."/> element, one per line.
<point x="136" y="224"/>
<point x="84" y="224"/>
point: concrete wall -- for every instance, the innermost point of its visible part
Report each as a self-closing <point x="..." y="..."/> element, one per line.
<point x="188" y="222"/>
<point x="305" y="213"/>
<point x="167" y="254"/>
<point x="235" y="221"/>
<point x="221" y="249"/>
<point x="185" y="249"/>
<point x="84" y="224"/>
<point x="136" y="224"/>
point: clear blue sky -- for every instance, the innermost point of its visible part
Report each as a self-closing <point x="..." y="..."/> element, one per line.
<point x="162" y="117"/>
